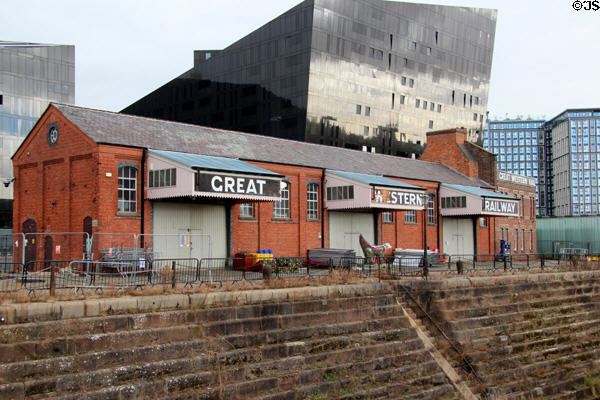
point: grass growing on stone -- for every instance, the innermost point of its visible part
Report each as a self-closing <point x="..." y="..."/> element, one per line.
<point x="593" y="382"/>
<point x="334" y="277"/>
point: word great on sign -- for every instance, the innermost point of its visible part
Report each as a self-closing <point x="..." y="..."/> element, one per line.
<point x="242" y="185"/>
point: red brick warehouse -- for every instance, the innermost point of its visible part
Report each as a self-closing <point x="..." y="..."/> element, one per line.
<point x="451" y="147"/>
<point x="117" y="175"/>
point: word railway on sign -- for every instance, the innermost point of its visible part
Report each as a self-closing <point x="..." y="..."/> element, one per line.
<point x="500" y="206"/>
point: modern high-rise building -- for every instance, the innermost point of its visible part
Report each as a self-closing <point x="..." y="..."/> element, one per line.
<point x="348" y="73"/>
<point x="575" y="138"/>
<point x="563" y="154"/>
<point x="31" y="75"/>
<point x="519" y="147"/>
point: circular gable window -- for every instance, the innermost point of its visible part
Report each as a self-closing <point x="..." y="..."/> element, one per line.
<point x="52" y="134"/>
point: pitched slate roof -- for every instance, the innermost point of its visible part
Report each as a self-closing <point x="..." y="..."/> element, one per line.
<point x="212" y="163"/>
<point x="479" y="192"/>
<point x="375" y="180"/>
<point x="466" y="152"/>
<point x="105" y="127"/>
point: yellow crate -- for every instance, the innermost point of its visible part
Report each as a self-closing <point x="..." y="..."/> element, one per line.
<point x="261" y="256"/>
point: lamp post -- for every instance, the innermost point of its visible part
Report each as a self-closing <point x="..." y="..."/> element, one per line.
<point x="425" y="199"/>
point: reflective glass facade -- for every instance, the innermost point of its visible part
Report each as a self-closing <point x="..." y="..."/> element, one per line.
<point x="347" y="73"/>
<point x="566" y="159"/>
<point x="31" y="75"/>
<point x="519" y="147"/>
<point x="575" y="138"/>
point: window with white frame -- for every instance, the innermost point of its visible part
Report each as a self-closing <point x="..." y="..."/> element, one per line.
<point x="530" y="240"/>
<point x="410" y="217"/>
<point x="162" y="178"/>
<point x="281" y="208"/>
<point x="522" y="239"/>
<point x="312" y="201"/>
<point x="387" y="217"/>
<point x="247" y="210"/>
<point x="431" y="209"/>
<point x="127" y="192"/>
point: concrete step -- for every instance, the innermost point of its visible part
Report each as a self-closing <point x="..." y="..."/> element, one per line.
<point x="523" y="326"/>
<point x="514" y="339"/>
<point x="529" y="305"/>
<point x="106" y="359"/>
<point x="476" y="297"/>
<point x="512" y="370"/>
<point x="539" y="315"/>
<point x="44" y="330"/>
<point x="512" y="297"/>
<point x="561" y="382"/>
<point x="573" y="394"/>
<point x="363" y="376"/>
<point x="441" y="392"/>
<point x="522" y="288"/>
<point x="56" y="347"/>
<point x="393" y="390"/>
<point x="218" y="381"/>
<point x="578" y="338"/>
<point x="213" y="358"/>
<point x="122" y="339"/>
<point x="487" y="366"/>
<point x="528" y="377"/>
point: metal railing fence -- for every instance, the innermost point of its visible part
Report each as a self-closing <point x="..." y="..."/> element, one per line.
<point x="11" y="274"/>
<point x="12" y="247"/>
<point x="187" y="272"/>
<point x="467" y="263"/>
<point x="144" y="272"/>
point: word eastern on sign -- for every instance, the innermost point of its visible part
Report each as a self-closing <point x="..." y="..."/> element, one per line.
<point x="398" y="198"/>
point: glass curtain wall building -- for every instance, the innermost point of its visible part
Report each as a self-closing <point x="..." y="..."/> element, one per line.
<point x="31" y="75"/>
<point x="519" y="149"/>
<point x="575" y="136"/>
<point x="348" y="73"/>
<point x="565" y="159"/>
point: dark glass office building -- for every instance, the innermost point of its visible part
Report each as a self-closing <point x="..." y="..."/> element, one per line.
<point x="349" y="73"/>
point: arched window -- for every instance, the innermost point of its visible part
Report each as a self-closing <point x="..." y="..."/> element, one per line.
<point x="281" y="208"/>
<point x="127" y="193"/>
<point x="312" y="200"/>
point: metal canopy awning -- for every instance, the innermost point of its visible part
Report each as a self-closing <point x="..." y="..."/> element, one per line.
<point x="457" y="200"/>
<point x="198" y="175"/>
<point x="351" y="190"/>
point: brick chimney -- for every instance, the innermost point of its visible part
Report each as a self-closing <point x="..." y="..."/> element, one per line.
<point x="448" y="147"/>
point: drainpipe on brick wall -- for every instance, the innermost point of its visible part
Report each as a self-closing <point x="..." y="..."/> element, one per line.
<point x="440" y="245"/>
<point x="322" y="207"/>
<point x="475" y="237"/>
<point x="143" y="172"/>
<point x="258" y="216"/>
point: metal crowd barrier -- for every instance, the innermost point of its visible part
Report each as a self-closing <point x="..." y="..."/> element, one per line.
<point x="491" y="263"/>
<point x="176" y="272"/>
<point x="11" y="274"/>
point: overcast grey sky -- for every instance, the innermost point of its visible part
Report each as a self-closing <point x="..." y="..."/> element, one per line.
<point x="546" y="55"/>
